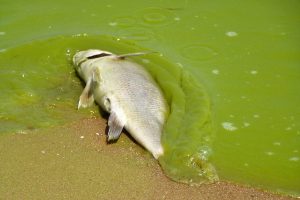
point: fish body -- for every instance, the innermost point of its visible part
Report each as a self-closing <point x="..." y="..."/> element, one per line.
<point x="128" y="92"/>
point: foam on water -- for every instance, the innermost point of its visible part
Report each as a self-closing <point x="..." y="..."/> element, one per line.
<point x="229" y="126"/>
<point x="231" y="34"/>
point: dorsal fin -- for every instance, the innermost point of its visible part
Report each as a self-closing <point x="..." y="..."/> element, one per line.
<point x="134" y="54"/>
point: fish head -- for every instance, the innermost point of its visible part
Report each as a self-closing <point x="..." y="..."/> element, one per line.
<point x="82" y="61"/>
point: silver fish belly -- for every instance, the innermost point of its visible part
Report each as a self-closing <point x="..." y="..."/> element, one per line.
<point x="128" y="92"/>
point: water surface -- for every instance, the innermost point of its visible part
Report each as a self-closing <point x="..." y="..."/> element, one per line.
<point x="245" y="55"/>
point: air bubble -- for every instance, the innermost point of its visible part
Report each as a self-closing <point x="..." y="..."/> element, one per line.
<point x="294" y="159"/>
<point x="229" y="126"/>
<point x="113" y="23"/>
<point x="253" y="72"/>
<point x="269" y="153"/>
<point x="276" y="143"/>
<point x="215" y="71"/>
<point x="231" y="34"/>
<point x="288" y="128"/>
<point x="246" y="124"/>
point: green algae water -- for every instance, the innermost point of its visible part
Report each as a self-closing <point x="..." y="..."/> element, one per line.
<point x="38" y="89"/>
<point x="46" y="87"/>
<point x="243" y="95"/>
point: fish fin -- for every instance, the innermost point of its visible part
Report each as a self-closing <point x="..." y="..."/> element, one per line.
<point x="159" y="152"/>
<point x="115" y="127"/>
<point x="86" y="98"/>
<point x="134" y="54"/>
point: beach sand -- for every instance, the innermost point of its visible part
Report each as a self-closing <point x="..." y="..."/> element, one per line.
<point x="74" y="162"/>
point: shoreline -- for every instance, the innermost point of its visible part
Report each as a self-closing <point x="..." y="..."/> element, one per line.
<point x="73" y="161"/>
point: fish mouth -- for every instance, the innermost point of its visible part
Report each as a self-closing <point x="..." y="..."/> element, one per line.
<point x="78" y="58"/>
<point x="78" y="64"/>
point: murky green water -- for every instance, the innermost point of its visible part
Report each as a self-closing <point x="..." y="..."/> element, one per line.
<point x="245" y="55"/>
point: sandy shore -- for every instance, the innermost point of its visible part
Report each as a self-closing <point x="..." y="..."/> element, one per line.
<point x="74" y="162"/>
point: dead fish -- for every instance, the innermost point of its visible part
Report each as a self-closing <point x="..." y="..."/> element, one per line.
<point x="128" y="92"/>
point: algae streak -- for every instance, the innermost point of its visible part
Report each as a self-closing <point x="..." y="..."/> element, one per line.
<point x="187" y="138"/>
<point x="188" y="132"/>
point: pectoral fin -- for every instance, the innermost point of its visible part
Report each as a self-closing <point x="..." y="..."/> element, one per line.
<point x="115" y="126"/>
<point x="86" y="98"/>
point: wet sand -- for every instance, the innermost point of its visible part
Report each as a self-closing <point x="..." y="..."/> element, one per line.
<point x="74" y="162"/>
